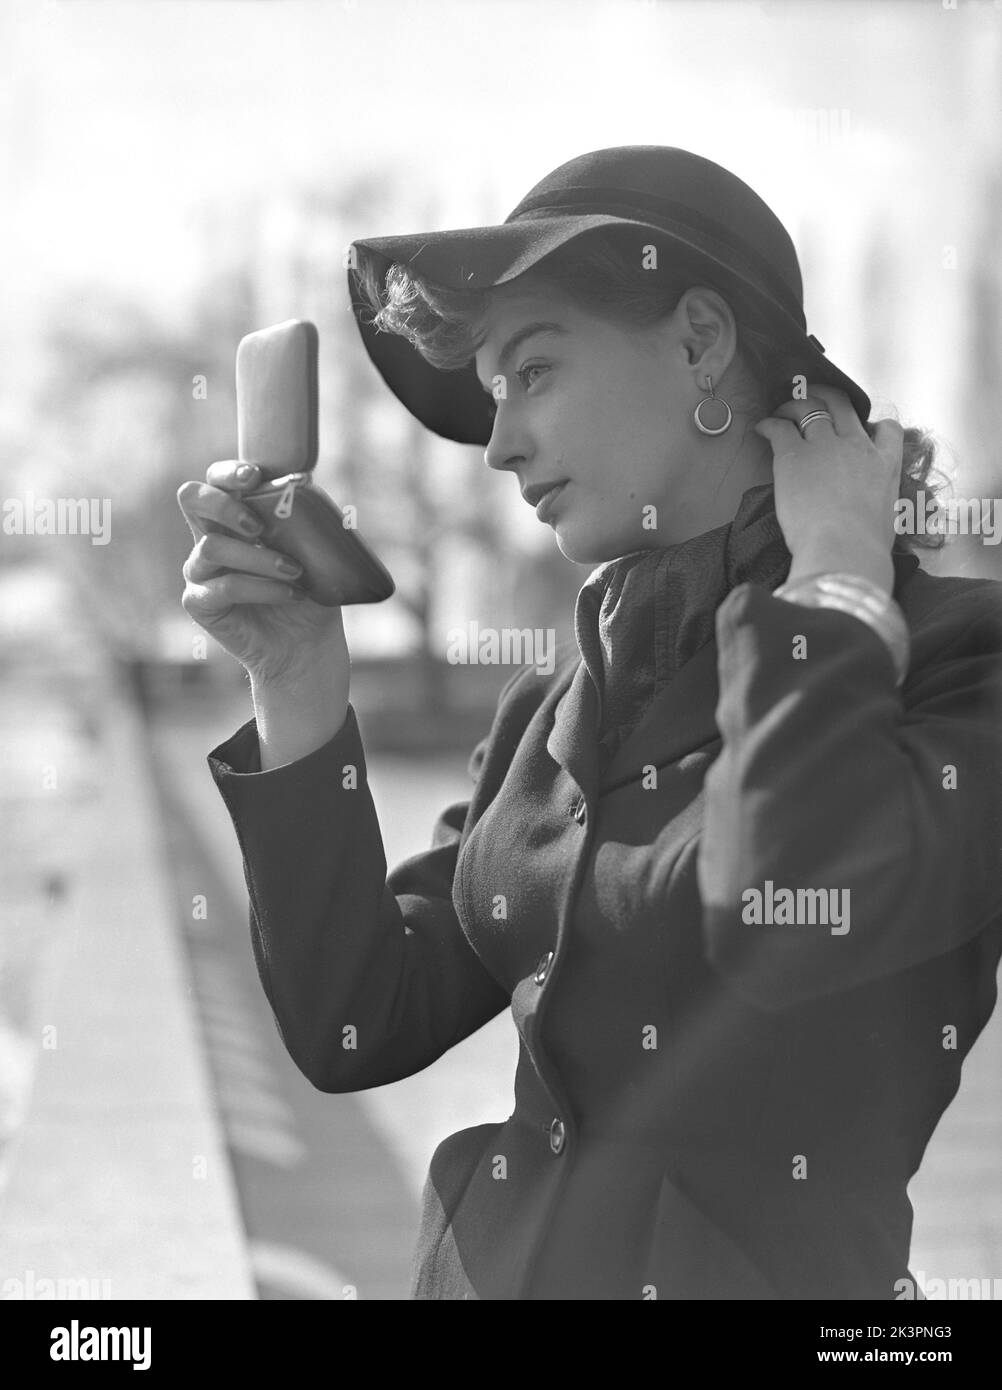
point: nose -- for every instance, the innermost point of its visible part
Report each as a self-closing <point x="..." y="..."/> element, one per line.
<point x="501" y="452"/>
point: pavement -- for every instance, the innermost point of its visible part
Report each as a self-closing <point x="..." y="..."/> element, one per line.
<point x="115" y="1178"/>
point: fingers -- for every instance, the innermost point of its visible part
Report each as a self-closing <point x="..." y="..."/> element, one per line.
<point x="795" y="411"/>
<point x="215" y="552"/>
<point x="233" y="476"/>
<point x="834" y="400"/>
<point x="217" y="596"/>
<point x="205" y="506"/>
<point x="830" y="398"/>
<point x="783" y="434"/>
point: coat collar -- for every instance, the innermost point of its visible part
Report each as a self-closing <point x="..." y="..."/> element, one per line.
<point x="680" y="716"/>
<point x="677" y="721"/>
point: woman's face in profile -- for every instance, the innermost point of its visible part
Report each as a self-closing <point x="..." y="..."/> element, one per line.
<point x="606" y="408"/>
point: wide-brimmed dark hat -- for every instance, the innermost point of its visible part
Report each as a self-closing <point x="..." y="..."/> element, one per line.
<point x="675" y="198"/>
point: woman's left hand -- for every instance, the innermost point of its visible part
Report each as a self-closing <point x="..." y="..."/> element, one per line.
<point x="835" y="488"/>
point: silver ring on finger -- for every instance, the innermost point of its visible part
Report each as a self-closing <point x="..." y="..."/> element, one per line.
<point x="811" y="416"/>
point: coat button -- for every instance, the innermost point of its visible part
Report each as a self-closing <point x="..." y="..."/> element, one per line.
<point x="557" y="1134"/>
<point x="580" y="810"/>
<point x="543" y="968"/>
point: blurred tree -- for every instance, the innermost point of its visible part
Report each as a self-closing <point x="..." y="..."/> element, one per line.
<point x="140" y="407"/>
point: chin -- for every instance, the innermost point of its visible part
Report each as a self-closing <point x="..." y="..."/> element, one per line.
<point x="590" y="549"/>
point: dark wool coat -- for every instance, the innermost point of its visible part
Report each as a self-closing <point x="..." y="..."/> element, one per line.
<point x="706" y="1106"/>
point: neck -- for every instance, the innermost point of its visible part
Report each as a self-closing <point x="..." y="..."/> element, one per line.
<point x="727" y="469"/>
<point x="722" y="473"/>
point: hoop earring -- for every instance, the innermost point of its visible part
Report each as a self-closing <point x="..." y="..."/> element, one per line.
<point x="705" y="429"/>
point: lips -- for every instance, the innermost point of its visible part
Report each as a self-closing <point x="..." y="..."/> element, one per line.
<point x="544" y="507"/>
<point x="534" y="494"/>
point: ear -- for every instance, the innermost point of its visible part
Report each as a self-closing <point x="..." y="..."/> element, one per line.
<point x="709" y="330"/>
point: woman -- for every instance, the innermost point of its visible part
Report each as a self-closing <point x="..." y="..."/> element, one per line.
<point x="735" y="865"/>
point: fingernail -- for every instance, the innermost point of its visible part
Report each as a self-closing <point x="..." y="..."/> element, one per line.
<point x="250" y="525"/>
<point x="296" y="593"/>
<point x="246" y="471"/>
<point x="288" y="567"/>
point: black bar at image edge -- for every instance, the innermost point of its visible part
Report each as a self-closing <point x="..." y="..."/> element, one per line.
<point x="162" y="1339"/>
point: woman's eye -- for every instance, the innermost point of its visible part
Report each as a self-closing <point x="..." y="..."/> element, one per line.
<point x="531" y="367"/>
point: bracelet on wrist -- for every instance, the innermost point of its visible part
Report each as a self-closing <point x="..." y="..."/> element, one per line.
<point x="851" y="593"/>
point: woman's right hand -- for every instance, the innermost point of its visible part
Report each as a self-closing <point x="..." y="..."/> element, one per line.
<point x="244" y="594"/>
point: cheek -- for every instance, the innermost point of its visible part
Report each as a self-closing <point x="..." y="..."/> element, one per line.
<point x="607" y="428"/>
<point x="614" y="435"/>
<point x="639" y="414"/>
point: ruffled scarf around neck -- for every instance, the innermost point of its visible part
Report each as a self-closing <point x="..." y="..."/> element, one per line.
<point x="640" y="617"/>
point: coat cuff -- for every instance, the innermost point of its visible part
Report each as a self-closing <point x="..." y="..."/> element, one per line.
<point x="755" y="631"/>
<point x="282" y="795"/>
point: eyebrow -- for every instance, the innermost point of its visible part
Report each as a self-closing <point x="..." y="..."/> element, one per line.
<point x="528" y="330"/>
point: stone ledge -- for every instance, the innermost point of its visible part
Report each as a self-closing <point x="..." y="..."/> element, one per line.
<point x="119" y="1173"/>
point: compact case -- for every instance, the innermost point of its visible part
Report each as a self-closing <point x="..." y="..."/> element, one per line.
<point x="276" y="375"/>
<point x="302" y="521"/>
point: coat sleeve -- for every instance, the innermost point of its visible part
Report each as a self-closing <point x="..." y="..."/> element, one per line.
<point x="830" y="778"/>
<point x="370" y="977"/>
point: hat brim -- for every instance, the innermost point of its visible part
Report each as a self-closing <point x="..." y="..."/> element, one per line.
<point x="452" y="403"/>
